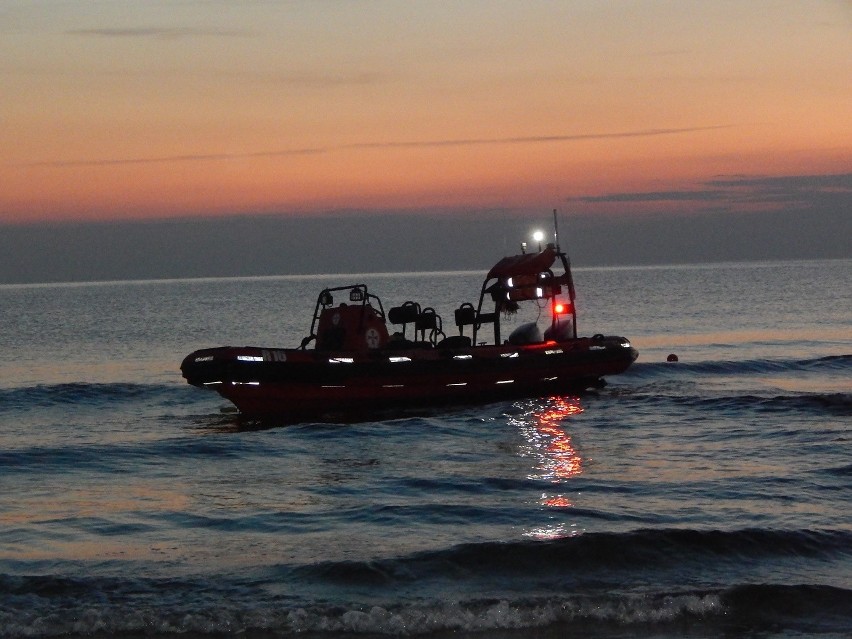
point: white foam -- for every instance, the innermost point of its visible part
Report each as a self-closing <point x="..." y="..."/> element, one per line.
<point x="470" y="616"/>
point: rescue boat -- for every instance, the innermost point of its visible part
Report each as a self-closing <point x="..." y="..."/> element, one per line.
<point x="358" y="360"/>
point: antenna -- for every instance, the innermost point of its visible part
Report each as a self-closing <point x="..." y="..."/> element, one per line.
<point x="556" y="231"/>
<point x="569" y="279"/>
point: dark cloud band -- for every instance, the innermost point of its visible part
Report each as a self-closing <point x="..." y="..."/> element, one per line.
<point x="410" y="144"/>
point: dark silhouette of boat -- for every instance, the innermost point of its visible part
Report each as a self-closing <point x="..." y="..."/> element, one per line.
<point x="358" y="360"/>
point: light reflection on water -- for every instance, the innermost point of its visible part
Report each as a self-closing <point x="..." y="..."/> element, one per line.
<point x="104" y="516"/>
<point x="556" y="459"/>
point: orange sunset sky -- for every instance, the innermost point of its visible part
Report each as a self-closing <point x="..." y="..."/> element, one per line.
<point x="118" y="110"/>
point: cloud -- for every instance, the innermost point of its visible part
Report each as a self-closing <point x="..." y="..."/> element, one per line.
<point x="656" y="196"/>
<point x="740" y="193"/>
<point x="541" y="138"/>
<point x="404" y="144"/>
<point x="840" y="181"/>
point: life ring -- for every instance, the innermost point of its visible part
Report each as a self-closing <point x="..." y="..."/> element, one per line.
<point x="372" y="338"/>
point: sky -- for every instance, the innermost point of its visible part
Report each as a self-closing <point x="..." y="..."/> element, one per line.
<point x="126" y="117"/>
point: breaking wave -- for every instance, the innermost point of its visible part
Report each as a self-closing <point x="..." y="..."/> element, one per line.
<point x="462" y="618"/>
<point x="224" y="605"/>
<point x="592" y="552"/>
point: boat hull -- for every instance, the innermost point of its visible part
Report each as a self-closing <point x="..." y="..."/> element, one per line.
<point x="295" y="384"/>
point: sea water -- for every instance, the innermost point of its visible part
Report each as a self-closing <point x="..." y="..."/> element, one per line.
<point x="711" y="497"/>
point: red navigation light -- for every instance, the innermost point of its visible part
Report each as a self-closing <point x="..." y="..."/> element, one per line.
<point x="559" y="308"/>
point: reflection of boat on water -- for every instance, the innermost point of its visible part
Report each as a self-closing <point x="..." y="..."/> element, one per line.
<point x="356" y="366"/>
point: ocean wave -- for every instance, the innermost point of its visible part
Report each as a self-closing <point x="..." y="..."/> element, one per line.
<point x="43" y="396"/>
<point x="834" y="403"/>
<point x="38" y="607"/>
<point x="593" y="551"/>
<point x="667" y="394"/>
<point x="832" y="363"/>
<point x="840" y="471"/>
<point x="686" y="385"/>
<point x="118" y="457"/>
<point x="531" y="586"/>
<point x="463" y="618"/>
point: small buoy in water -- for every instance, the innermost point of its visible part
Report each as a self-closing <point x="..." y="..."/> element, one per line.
<point x="671" y="358"/>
